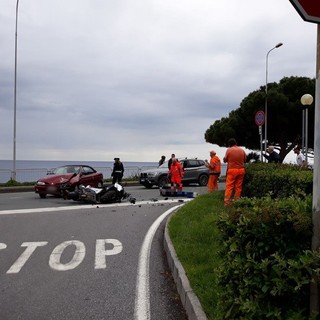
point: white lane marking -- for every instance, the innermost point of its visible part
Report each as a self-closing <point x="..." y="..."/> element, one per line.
<point x="114" y="247"/>
<point x="16" y="197"/>
<point x="90" y="206"/>
<point x="142" y="298"/>
<point x="102" y="252"/>
<point x="20" y="262"/>
<point x="79" y="254"/>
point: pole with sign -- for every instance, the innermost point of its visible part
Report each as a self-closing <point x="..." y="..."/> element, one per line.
<point x="309" y="10"/>
<point x="259" y="120"/>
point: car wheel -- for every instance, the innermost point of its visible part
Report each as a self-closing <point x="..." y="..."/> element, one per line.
<point x="42" y="195"/>
<point x="148" y="185"/>
<point x="203" y="180"/>
<point x="163" y="181"/>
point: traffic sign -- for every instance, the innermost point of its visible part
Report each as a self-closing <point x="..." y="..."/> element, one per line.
<point x="259" y="118"/>
<point x="309" y="10"/>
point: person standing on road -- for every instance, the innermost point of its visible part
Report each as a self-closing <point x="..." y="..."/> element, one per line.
<point x="162" y="160"/>
<point x="117" y="172"/>
<point x="214" y="171"/>
<point x="176" y="173"/>
<point x="273" y="156"/>
<point x="170" y="160"/>
<point x="236" y="158"/>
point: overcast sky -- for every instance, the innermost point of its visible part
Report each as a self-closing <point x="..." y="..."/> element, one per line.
<point x="138" y="78"/>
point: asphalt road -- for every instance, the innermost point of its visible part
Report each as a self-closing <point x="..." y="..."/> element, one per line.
<point x="64" y="260"/>
<point x="26" y="200"/>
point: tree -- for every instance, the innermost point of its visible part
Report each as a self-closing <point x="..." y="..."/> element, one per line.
<point x="284" y="117"/>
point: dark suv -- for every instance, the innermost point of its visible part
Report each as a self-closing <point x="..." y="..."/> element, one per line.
<point x="194" y="172"/>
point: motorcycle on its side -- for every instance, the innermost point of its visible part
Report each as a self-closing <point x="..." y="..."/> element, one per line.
<point x="107" y="194"/>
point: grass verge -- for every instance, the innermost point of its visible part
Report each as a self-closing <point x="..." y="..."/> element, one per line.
<point x="194" y="234"/>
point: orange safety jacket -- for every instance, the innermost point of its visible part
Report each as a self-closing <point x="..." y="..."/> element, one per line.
<point x="215" y="165"/>
<point x="176" y="170"/>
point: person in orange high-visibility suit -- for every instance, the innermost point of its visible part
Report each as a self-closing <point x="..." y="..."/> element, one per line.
<point x="236" y="158"/>
<point x="214" y="171"/>
<point x="176" y="173"/>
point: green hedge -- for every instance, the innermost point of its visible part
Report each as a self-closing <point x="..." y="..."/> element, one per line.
<point x="278" y="180"/>
<point x="267" y="266"/>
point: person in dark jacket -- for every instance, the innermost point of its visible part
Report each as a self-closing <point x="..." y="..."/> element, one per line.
<point x="170" y="160"/>
<point x="162" y="160"/>
<point x="273" y="156"/>
<point x="117" y="172"/>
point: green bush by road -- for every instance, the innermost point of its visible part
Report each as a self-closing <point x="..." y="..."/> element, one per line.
<point x="252" y="260"/>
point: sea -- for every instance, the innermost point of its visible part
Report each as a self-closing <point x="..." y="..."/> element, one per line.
<point x="32" y="170"/>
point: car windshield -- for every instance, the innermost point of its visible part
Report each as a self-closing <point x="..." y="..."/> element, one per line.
<point x="65" y="170"/>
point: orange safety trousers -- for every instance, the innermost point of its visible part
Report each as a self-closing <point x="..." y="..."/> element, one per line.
<point x="176" y="180"/>
<point x="176" y="172"/>
<point x="233" y="185"/>
<point x="213" y="182"/>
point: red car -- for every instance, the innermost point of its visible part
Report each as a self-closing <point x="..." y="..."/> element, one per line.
<point x="75" y="174"/>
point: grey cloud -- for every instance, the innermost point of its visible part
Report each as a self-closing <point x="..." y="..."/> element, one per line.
<point x="95" y="77"/>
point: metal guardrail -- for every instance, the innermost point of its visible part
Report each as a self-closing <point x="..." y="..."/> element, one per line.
<point x="32" y="175"/>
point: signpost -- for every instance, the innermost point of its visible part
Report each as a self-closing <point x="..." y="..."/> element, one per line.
<point x="309" y="10"/>
<point x="259" y="120"/>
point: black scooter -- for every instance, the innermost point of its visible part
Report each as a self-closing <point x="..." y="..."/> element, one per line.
<point x="88" y="194"/>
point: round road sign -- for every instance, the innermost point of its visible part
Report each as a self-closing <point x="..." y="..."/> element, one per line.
<point x="259" y="118"/>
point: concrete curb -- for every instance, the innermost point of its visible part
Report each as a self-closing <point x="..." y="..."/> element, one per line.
<point x="189" y="300"/>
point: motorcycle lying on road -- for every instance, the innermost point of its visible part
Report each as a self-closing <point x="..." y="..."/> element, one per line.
<point x="106" y="194"/>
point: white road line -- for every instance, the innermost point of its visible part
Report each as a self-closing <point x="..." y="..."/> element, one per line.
<point x="142" y="299"/>
<point x="88" y="206"/>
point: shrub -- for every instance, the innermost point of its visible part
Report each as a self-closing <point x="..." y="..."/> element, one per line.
<point x="267" y="266"/>
<point x="14" y="183"/>
<point x="277" y="180"/>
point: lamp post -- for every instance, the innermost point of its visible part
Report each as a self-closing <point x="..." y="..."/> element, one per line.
<point x="306" y="101"/>
<point x="13" y="177"/>
<point x="266" y="98"/>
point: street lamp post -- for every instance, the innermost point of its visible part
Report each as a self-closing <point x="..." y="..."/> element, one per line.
<point x="14" y="173"/>
<point x="266" y="98"/>
<point x="306" y="101"/>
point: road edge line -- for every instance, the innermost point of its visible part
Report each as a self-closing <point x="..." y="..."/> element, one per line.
<point x="142" y="293"/>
